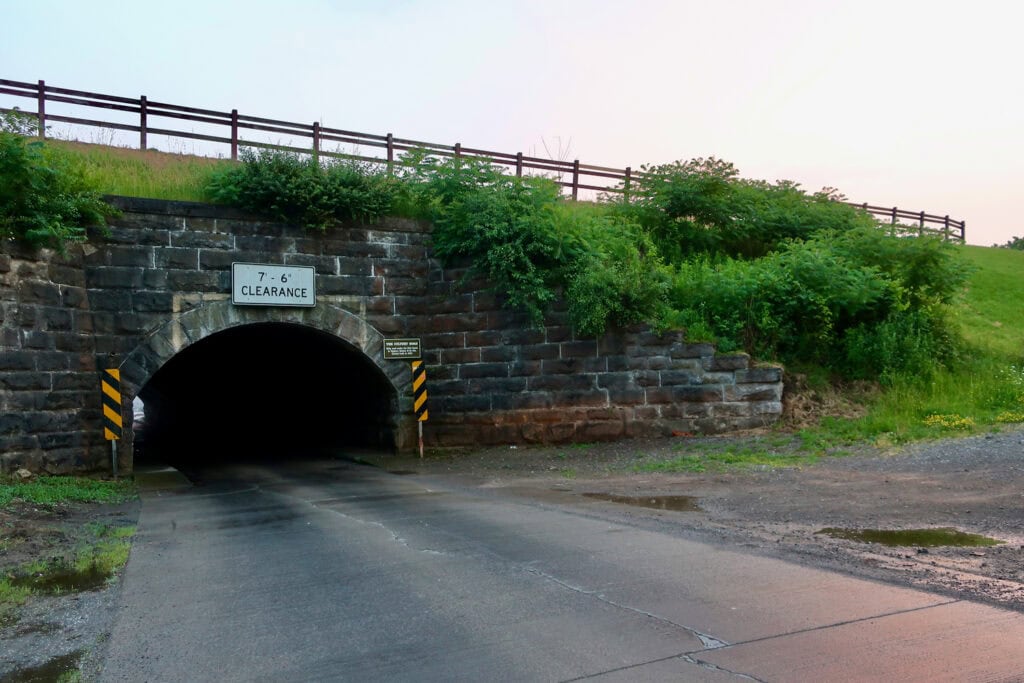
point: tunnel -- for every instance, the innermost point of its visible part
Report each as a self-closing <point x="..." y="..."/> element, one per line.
<point x="265" y="391"/>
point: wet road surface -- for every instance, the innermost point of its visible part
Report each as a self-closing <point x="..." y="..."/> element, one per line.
<point x="328" y="570"/>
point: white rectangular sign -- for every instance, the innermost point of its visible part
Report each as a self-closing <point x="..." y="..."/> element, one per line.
<point x="263" y="284"/>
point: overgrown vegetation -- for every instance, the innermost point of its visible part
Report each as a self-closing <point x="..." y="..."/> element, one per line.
<point x="45" y="201"/>
<point x="767" y="268"/>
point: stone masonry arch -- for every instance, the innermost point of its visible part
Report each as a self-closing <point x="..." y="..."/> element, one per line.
<point x="213" y="317"/>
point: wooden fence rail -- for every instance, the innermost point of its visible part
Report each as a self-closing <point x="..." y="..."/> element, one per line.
<point x="572" y="175"/>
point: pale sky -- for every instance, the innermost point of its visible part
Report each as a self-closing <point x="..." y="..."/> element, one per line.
<point x="910" y="103"/>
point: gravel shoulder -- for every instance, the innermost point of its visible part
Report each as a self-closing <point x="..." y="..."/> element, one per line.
<point x="974" y="485"/>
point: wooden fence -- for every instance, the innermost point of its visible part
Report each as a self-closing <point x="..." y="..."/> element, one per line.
<point x="571" y="175"/>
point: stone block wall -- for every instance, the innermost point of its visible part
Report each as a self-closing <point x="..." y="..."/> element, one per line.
<point x="130" y="298"/>
<point x="49" y="378"/>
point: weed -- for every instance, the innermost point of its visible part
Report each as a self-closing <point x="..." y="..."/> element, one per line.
<point x="54" y="490"/>
<point x="949" y="422"/>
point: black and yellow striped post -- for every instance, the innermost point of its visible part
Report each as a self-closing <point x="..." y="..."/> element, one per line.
<point x="113" y="427"/>
<point x="419" y="397"/>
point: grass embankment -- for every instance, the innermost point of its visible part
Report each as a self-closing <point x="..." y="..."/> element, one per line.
<point x="97" y="551"/>
<point x="140" y="173"/>
<point x="985" y="388"/>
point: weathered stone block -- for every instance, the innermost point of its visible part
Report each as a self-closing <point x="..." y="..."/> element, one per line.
<point x="617" y="380"/>
<point x="57" y="319"/>
<point x="213" y="240"/>
<point x="458" y="404"/>
<point x="449" y="356"/>
<point x="735" y="361"/>
<point x="111" y="300"/>
<point x="193" y="281"/>
<point x="678" y="377"/>
<point x="545" y="382"/>
<point x="125" y="256"/>
<point x="443" y="341"/>
<point x="323" y="265"/>
<point x="109" y="277"/>
<point x="498" y="354"/>
<point x="539" y="351"/>
<point x="697" y="394"/>
<point x="177" y="258"/>
<point x="522" y="401"/>
<point x="581" y="399"/>
<point x="12" y="360"/>
<point x="601" y="431"/>
<point x="36" y="339"/>
<point x="350" y="265"/>
<point x="496" y="385"/>
<point x="479" y="370"/>
<point x="754" y="392"/>
<point x="151" y="301"/>
<point x="686" y="350"/>
<point x="524" y="368"/>
<point x="36" y="292"/>
<point x="560" y="366"/>
<point x="354" y="285"/>
<point x="759" y="375"/>
<point x="516" y="336"/>
<point x="52" y="360"/>
<point x="579" y="349"/>
<point x="74" y="297"/>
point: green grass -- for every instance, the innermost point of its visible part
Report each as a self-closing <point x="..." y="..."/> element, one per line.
<point x="991" y="314"/>
<point x="139" y="173"/>
<point x="983" y="392"/>
<point x="54" y="490"/>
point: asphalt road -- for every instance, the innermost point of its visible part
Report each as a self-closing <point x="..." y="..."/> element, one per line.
<point x="331" y="571"/>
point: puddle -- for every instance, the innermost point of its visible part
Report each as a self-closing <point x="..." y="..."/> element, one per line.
<point x="925" y="538"/>
<point x="60" y="578"/>
<point x="57" y="669"/>
<point x="676" y="503"/>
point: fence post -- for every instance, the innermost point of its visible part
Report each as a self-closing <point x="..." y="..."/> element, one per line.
<point x="946" y="229"/>
<point x="963" y="232"/>
<point x="920" y="227"/>
<point x="142" y="122"/>
<point x="234" y="135"/>
<point x="519" y="164"/>
<point x="894" y="209"/>
<point x="575" y="178"/>
<point x="316" y="141"/>
<point x="625" y="185"/>
<point x="458" y="150"/>
<point x="41" y="109"/>
<point x="391" y="153"/>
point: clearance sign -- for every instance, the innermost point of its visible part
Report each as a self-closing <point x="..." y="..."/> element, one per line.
<point x="264" y="284"/>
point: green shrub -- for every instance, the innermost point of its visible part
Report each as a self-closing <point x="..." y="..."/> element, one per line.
<point x="44" y="200"/>
<point x="702" y="206"/>
<point x="303" y="190"/>
<point x="906" y="342"/>
<point x="532" y="245"/>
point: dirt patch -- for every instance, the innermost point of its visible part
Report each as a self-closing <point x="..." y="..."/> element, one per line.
<point x="56" y="631"/>
<point x="972" y="485"/>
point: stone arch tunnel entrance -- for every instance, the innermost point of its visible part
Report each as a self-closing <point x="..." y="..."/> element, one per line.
<point x="265" y="390"/>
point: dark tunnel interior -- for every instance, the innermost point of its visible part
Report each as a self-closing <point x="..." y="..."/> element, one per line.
<point x="264" y="391"/>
